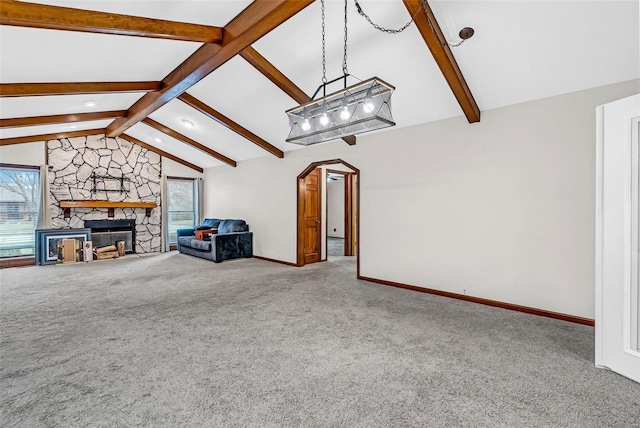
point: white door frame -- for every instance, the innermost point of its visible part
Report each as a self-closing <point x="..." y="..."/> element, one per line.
<point x="617" y="233"/>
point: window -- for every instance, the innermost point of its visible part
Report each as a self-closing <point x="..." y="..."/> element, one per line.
<point x="19" y="200"/>
<point x="182" y="205"/>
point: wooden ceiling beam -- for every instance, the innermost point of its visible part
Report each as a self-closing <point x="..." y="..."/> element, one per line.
<point x="203" y="108"/>
<point x="268" y="70"/>
<point x="193" y="143"/>
<point x="47" y="137"/>
<point x="55" y="136"/>
<point x="60" y="118"/>
<point x="251" y="24"/>
<point x="21" y="14"/>
<point x="437" y="44"/>
<point x="74" y="88"/>
<point x="161" y="152"/>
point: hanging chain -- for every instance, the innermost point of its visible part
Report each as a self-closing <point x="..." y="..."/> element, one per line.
<point x="405" y="26"/>
<point x="324" y="56"/>
<point x="452" y="45"/>
<point x="383" y="29"/>
<point x="442" y="42"/>
<point x="345" y="71"/>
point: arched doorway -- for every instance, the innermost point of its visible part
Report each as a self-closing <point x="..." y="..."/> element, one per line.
<point x="310" y="213"/>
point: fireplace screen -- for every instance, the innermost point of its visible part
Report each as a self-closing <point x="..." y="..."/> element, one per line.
<point x="102" y="239"/>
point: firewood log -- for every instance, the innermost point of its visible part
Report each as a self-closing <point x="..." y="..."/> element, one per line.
<point x="108" y="255"/>
<point x="120" y="245"/>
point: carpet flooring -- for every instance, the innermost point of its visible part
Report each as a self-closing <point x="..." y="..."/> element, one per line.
<point x="335" y="246"/>
<point x="176" y="341"/>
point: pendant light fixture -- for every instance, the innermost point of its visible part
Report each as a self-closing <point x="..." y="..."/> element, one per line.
<point x="364" y="106"/>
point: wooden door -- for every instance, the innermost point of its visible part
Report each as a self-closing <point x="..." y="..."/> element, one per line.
<point x="348" y="215"/>
<point x="312" y="215"/>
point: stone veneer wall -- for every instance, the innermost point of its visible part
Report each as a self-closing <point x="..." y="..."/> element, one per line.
<point x="72" y="161"/>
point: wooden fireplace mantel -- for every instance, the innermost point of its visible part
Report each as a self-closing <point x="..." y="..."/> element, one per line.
<point x="93" y="203"/>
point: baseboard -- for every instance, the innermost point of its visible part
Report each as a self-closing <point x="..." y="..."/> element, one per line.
<point x="10" y="262"/>
<point x="275" y="261"/>
<point x="488" y="302"/>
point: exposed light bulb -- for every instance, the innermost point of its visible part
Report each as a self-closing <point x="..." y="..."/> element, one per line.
<point x="344" y="113"/>
<point x="305" y="125"/>
<point x="368" y="105"/>
<point x="324" y="117"/>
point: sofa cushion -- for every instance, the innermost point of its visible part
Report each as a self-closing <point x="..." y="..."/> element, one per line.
<point x="185" y="240"/>
<point x="200" y="245"/>
<point x="228" y="226"/>
<point x="211" y="223"/>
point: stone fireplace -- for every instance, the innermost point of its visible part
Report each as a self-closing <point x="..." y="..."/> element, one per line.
<point x="112" y="170"/>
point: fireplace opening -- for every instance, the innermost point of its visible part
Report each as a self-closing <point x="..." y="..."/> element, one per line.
<point x="108" y="232"/>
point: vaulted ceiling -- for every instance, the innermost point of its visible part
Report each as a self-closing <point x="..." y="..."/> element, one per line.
<point x="253" y="61"/>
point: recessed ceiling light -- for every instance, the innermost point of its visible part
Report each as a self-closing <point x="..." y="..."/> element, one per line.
<point x="157" y="140"/>
<point x="72" y="126"/>
<point x="90" y="103"/>
<point x="188" y="123"/>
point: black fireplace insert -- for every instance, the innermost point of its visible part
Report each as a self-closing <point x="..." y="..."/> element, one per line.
<point x="108" y="232"/>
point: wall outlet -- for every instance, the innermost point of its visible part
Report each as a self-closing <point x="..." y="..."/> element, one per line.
<point x="464" y="291"/>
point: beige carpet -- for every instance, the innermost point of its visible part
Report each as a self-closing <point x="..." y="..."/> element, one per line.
<point x="173" y="341"/>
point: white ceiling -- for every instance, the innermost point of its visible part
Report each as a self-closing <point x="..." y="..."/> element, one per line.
<point x="521" y="51"/>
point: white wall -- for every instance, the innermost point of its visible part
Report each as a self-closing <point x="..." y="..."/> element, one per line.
<point x="503" y="208"/>
<point x="335" y="208"/>
<point x="24" y="154"/>
<point x="174" y="169"/>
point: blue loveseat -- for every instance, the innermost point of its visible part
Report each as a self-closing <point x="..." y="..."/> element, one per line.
<point x="233" y="240"/>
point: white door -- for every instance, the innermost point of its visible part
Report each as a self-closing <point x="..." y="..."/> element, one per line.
<point x="617" y="237"/>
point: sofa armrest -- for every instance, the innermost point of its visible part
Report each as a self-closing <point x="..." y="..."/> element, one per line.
<point x="231" y="245"/>
<point x="185" y="232"/>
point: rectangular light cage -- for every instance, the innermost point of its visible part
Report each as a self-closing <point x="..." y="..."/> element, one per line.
<point x="365" y="106"/>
